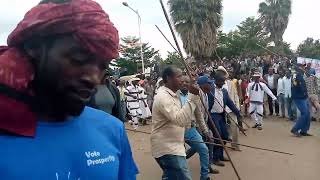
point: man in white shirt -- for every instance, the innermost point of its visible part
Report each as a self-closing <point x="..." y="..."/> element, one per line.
<point x="290" y="105"/>
<point x="218" y="100"/>
<point x="169" y="120"/>
<point x="281" y="94"/>
<point x="255" y="92"/>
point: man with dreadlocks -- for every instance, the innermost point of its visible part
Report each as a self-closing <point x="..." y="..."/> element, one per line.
<point x="54" y="60"/>
<point x="255" y="92"/>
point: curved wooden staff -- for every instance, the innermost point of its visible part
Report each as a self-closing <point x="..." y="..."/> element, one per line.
<point x="191" y="77"/>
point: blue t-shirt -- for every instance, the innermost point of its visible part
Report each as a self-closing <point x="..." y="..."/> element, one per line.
<point x="93" y="146"/>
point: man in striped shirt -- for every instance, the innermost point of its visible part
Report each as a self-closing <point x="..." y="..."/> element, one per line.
<point x="132" y="93"/>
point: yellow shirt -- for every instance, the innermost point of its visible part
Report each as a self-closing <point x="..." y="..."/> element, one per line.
<point x="231" y="86"/>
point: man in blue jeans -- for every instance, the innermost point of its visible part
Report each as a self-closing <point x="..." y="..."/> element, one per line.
<point x="192" y="134"/>
<point x="300" y="97"/>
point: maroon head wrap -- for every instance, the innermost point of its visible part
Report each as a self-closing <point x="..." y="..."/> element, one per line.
<point x="87" y="23"/>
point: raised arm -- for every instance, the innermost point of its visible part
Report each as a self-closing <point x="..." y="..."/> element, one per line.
<point x="180" y="116"/>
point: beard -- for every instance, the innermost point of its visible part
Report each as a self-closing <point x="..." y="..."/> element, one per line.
<point x="54" y="102"/>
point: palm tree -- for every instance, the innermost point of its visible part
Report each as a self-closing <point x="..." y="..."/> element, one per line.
<point x="197" y="22"/>
<point x="274" y="15"/>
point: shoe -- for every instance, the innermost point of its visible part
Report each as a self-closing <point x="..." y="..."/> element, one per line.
<point x="283" y="116"/>
<point x="225" y="159"/>
<point x="144" y="122"/>
<point x="208" y="178"/>
<point x="305" y="134"/>
<point x="297" y="134"/>
<point x="313" y="119"/>
<point x="213" y="171"/>
<point x="259" y="127"/>
<point x="277" y="114"/>
<point x="218" y="163"/>
<point x="255" y="126"/>
<point x="242" y="129"/>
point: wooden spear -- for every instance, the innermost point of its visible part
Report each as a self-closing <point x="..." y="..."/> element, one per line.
<point x="244" y="145"/>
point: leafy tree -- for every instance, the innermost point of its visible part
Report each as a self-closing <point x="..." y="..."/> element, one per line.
<point x="243" y="40"/>
<point x="173" y="58"/>
<point x="130" y="59"/>
<point x="309" y="48"/>
<point x="274" y="15"/>
<point x="251" y="33"/>
<point x="197" y="23"/>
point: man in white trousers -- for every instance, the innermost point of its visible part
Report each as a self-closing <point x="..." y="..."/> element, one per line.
<point x="132" y="93"/>
<point x="255" y="92"/>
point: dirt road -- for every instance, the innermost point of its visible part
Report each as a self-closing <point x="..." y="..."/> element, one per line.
<point x="251" y="164"/>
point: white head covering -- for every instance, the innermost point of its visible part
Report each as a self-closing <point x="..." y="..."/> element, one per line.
<point x="134" y="79"/>
<point x="158" y="82"/>
<point x="221" y="68"/>
<point x="256" y="74"/>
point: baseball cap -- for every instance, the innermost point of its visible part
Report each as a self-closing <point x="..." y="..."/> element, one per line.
<point x="204" y="80"/>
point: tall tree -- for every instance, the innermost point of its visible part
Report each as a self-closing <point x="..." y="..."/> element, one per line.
<point x="309" y="48"/>
<point x="243" y="40"/>
<point x="197" y="23"/>
<point x="130" y="59"/>
<point x="274" y="15"/>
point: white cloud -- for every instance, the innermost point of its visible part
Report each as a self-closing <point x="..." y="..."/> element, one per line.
<point x="303" y="21"/>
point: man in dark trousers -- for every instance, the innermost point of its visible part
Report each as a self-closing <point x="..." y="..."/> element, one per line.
<point x="218" y="99"/>
<point x="272" y="82"/>
<point x="55" y="59"/>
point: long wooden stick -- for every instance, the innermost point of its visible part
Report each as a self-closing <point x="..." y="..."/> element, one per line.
<point x="232" y="118"/>
<point x="244" y="145"/>
<point x="254" y="147"/>
<point x="267" y="49"/>
<point x="240" y="129"/>
<point x="203" y="142"/>
<point x="236" y="123"/>
<point x="166" y="38"/>
<point x="190" y="75"/>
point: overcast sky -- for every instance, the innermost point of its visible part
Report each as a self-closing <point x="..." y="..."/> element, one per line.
<point x="304" y="21"/>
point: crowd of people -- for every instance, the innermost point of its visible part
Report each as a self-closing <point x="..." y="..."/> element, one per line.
<point x="283" y="89"/>
<point x="54" y="68"/>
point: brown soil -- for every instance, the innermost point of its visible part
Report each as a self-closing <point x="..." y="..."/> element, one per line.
<point x="251" y="164"/>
